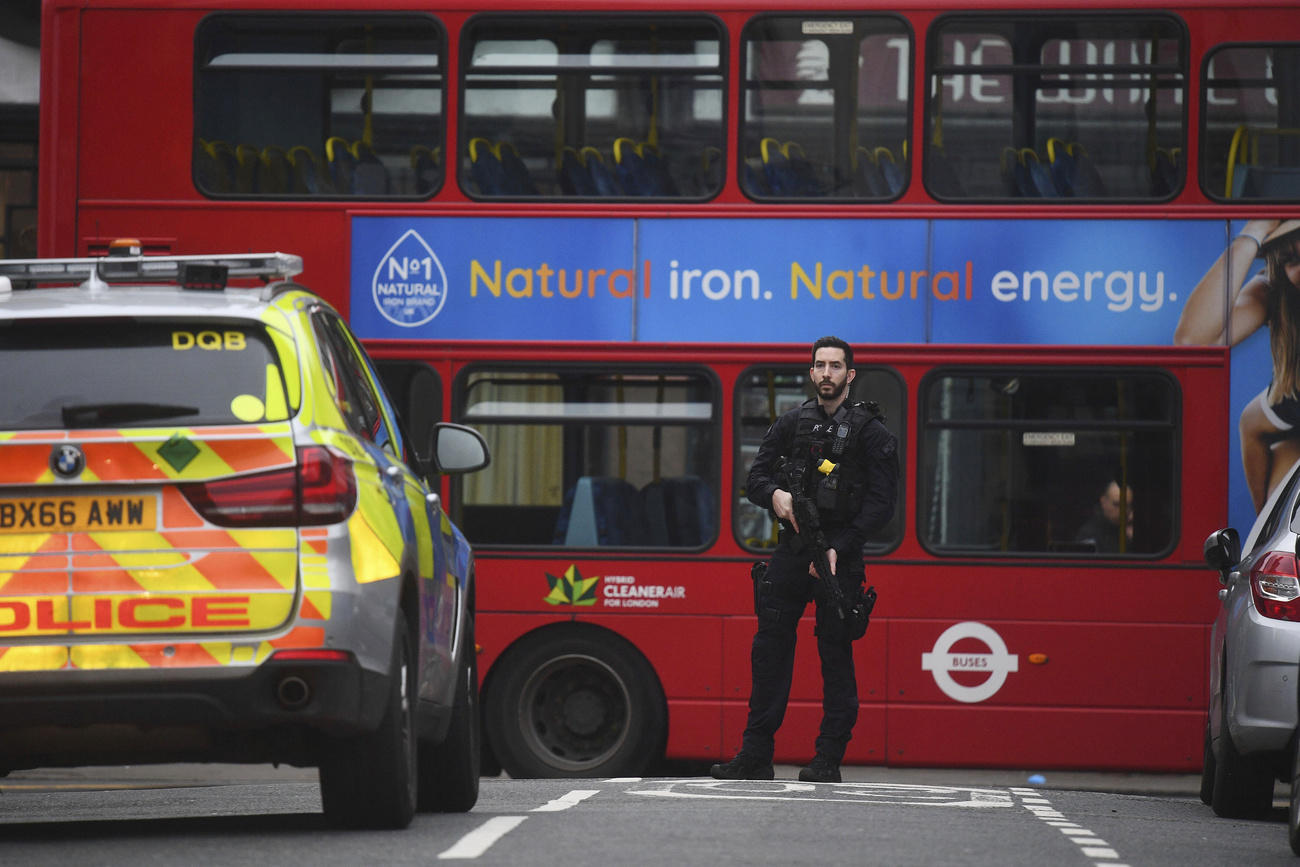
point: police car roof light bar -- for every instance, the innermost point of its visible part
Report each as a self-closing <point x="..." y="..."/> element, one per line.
<point x="28" y="273"/>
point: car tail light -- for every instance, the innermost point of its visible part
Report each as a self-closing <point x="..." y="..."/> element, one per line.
<point x="321" y="489"/>
<point x="1275" y="586"/>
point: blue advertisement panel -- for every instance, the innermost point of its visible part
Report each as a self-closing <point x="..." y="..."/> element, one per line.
<point x="1062" y="282"/>
<point x="767" y="280"/>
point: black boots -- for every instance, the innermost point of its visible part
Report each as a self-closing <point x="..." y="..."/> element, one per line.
<point x="820" y="770"/>
<point x="742" y="767"/>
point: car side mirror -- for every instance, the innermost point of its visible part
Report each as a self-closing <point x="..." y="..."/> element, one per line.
<point x="1223" y="551"/>
<point x="456" y="448"/>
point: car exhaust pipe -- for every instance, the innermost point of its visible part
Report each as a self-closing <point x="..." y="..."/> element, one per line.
<point x="292" y="692"/>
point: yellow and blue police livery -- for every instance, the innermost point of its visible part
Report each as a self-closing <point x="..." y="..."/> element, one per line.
<point x="217" y="543"/>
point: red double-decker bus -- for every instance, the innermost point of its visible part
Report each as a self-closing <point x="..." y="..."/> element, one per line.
<point x="605" y="234"/>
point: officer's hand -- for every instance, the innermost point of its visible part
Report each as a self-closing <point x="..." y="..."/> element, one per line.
<point x="783" y="505"/>
<point x="831" y="556"/>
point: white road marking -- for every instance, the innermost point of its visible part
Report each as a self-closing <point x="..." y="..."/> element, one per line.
<point x="564" y="803"/>
<point x="844" y="793"/>
<point x="478" y="841"/>
<point x="1090" y="845"/>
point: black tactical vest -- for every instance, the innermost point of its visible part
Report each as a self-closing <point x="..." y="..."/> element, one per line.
<point x="833" y="478"/>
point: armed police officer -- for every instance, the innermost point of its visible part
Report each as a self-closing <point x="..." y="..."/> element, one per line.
<point x="832" y="463"/>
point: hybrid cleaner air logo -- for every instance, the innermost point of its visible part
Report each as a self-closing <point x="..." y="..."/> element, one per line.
<point x="409" y="286"/>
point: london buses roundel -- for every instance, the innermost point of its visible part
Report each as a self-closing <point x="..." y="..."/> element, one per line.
<point x="997" y="663"/>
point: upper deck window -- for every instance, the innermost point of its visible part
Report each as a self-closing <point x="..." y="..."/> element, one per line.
<point x="592" y="107"/>
<point x="1250" y="147"/>
<point x="826" y="107"/>
<point x="318" y="106"/>
<point x="1072" y="107"/>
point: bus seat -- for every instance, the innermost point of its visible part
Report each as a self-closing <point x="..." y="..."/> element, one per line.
<point x="640" y="169"/>
<point x="786" y="169"/>
<point x="426" y="165"/>
<point x="485" y="168"/>
<point x="518" y="181"/>
<point x="601" y="177"/>
<point x="340" y="163"/>
<point x="679" y="511"/>
<point x="248" y="161"/>
<point x="498" y="170"/>
<point x="575" y="179"/>
<point x="754" y="181"/>
<point x="601" y="510"/>
<point x="1076" y="175"/>
<point x="274" y="174"/>
<point x="1039" y="176"/>
<point x="890" y="171"/>
<point x="304" y="171"/>
<point x="369" y="175"/>
<point x="1024" y="174"/>
<point x="867" y="180"/>
<point x="1267" y="182"/>
<point x="214" y="166"/>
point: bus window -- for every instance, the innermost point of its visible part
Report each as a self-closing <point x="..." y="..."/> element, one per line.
<point x="586" y="457"/>
<point x="1250" y="147"/>
<point x="762" y="395"/>
<point x="1056" y="106"/>
<point x="318" y="106"/>
<point x="826" y="107"/>
<point x="1018" y="461"/>
<point x="592" y="107"/>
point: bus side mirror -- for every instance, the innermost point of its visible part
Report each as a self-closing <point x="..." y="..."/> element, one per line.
<point x="456" y="448"/>
<point x="1223" y="551"/>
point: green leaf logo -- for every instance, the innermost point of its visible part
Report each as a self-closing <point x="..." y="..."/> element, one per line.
<point x="572" y="588"/>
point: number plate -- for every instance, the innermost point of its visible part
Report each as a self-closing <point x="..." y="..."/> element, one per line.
<point x="78" y="514"/>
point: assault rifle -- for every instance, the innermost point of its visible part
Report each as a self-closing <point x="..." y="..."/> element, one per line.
<point x="810" y="531"/>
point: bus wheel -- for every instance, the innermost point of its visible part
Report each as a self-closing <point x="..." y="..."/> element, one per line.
<point x="575" y="703"/>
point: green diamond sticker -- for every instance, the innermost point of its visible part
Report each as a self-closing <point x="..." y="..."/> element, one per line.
<point x="178" y="451"/>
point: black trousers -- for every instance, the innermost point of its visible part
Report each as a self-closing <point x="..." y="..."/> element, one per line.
<point x="772" y="657"/>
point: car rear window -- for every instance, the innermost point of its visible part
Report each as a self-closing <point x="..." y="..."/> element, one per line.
<point x="123" y="373"/>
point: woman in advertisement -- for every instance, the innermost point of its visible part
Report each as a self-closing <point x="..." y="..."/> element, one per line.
<point x="1270" y="423"/>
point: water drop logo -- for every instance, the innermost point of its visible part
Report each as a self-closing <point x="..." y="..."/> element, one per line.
<point x="409" y="286"/>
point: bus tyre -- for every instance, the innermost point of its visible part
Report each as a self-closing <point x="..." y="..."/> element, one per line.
<point x="1243" y="786"/>
<point x="1207" y="768"/>
<point x="449" y="771"/>
<point x="369" y="781"/>
<point x="575" y="703"/>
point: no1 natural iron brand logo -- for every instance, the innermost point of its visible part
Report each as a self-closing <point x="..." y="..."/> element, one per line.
<point x="410" y="285"/>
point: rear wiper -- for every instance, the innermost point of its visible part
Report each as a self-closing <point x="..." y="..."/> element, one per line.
<point x="89" y="414"/>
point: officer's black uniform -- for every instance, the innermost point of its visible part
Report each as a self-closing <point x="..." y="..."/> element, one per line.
<point x="862" y="502"/>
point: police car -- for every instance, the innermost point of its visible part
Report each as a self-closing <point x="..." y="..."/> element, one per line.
<point x="217" y="542"/>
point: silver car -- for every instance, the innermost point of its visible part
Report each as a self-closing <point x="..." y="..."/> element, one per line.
<point x="1254" y="659"/>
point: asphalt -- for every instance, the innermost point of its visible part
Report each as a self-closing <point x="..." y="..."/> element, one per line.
<point x="181" y="775"/>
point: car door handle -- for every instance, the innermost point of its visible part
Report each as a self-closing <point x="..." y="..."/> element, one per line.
<point x="392" y="471"/>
